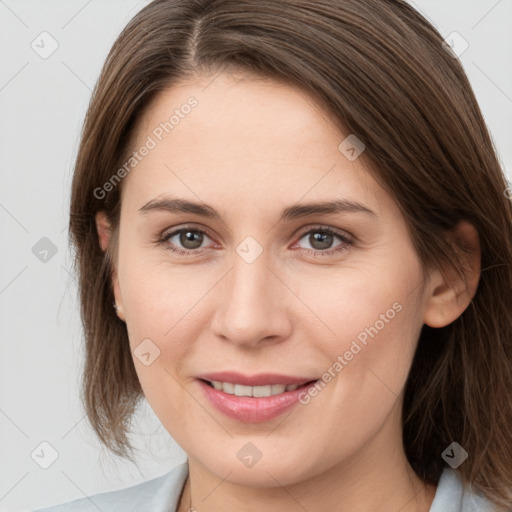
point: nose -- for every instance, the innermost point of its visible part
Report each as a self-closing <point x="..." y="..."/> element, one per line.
<point x="252" y="305"/>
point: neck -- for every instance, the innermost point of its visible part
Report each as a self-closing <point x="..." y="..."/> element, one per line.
<point x="395" y="488"/>
<point x="377" y="477"/>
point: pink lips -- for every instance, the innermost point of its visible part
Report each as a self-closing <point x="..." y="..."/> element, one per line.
<point x="253" y="409"/>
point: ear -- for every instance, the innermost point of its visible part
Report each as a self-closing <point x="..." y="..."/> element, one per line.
<point x="449" y="295"/>
<point x="104" y="232"/>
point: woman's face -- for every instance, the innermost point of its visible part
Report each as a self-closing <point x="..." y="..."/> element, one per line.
<point x="258" y="286"/>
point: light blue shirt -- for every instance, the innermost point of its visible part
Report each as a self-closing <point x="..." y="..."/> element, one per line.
<point x="161" y="494"/>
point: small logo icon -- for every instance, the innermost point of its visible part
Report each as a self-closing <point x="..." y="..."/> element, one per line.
<point x="146" y="352"/>
<point x="44" y="45"/>
<point x="455" y="44"/>
<point x="454" y="455"/>
<point x="351" y="147"/>
<point x="44" y="250"/>
<point x="249" y="250"/>
<point x="508" y="191"/>
<point x="249" y="454"/>
<point x="44" y="455"/>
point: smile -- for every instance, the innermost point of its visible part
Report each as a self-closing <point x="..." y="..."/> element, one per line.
<point x="254" y="391"/>
<point x="253" y="404"/>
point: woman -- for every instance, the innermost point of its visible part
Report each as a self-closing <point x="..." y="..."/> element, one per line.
<point x="296" y="209"/>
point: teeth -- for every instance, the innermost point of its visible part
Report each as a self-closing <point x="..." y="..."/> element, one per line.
<point x="241" y="390"/>
<point x="228" y="388"/>
<point x="256" y="391"/>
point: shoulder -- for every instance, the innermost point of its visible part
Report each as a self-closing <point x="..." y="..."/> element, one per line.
<point x="160" y="494"/>
<point x="453" y="496"/>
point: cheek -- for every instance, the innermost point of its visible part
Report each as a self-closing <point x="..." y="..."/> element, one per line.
<point x="369" y="360"/>
<point x="153" y="312"/>
<point x="159" y="298"/>
<point x="160" y="331"/>
<point x="354" y="303"/>
<point x="370" y="325"/>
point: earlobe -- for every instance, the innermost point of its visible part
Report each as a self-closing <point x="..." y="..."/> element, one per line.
<point x="119" y="309"/>
<point x="449" y="293"/>
<point x="118" y="304"/>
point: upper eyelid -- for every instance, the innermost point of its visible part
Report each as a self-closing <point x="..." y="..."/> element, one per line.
<point x="173" y="231"/>
<point x="322" y="227"/>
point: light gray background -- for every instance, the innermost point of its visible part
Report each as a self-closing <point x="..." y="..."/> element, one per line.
<point x="42" y="105"/>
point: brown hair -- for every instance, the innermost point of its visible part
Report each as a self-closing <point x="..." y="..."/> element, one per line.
<point x="380" y="69"/>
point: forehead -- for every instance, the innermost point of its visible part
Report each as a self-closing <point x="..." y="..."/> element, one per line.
<point x="260" y="110"/>
<point x="230" y="136"/>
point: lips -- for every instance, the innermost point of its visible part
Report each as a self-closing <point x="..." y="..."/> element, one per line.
<point x="249" y="408"/>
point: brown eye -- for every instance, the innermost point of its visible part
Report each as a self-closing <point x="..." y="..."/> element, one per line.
<point x="190" y="239"/>
<point x="184" y="240"/>
<point x="321" y="241"/>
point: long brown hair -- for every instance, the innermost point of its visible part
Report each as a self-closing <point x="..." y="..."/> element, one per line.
<point x="381" y="71"/>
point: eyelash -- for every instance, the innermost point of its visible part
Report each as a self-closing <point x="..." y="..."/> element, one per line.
<point x="347" y="242"/>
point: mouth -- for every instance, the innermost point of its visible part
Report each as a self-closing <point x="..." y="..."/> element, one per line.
<point x="268" y="390"/>
<point x="254" y="403"/>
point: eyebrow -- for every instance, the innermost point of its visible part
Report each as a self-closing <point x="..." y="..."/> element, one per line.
<point x="176" y="205"/>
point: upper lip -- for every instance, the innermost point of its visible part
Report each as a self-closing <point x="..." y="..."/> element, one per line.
<point x="262" y="379"/>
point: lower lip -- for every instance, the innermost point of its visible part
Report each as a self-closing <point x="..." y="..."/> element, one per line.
<point x="249" y="409"/>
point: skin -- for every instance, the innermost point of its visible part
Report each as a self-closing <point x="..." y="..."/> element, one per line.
<point x="250" y="149"/>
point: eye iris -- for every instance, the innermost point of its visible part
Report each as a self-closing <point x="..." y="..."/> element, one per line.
<point x="193" y="239"/>
<point x="325" y="240"/>
<point x="188" y="236"/>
